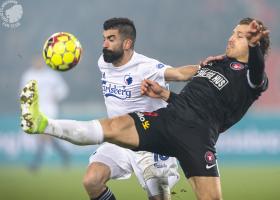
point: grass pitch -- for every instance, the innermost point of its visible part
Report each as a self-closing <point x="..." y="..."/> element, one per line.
<point x="51" y="183"/>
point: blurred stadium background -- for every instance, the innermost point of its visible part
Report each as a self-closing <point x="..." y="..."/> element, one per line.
<point x="176" y="32"/>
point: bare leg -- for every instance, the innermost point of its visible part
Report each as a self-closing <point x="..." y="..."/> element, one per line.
<point x="121" y="131"/>
<point x="95" y="179"/>
<point x="206" y="188"/>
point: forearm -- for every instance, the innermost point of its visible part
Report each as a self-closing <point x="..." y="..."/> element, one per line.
<point x="188" y="71"/>
<point x="256" y="65"/>
<point x="182" y="73"/>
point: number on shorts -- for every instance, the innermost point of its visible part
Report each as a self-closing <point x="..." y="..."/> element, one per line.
<point x="158" y="157"/>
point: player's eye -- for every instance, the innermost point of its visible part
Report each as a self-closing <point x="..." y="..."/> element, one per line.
<point x="240" y="35"/>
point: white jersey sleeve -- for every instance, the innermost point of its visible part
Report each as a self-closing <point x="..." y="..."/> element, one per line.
<point x="156" y="72"/>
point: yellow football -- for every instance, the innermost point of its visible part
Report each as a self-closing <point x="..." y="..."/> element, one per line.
<point x="62" y="51"/>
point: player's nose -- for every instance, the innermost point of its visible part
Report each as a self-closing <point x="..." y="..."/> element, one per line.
<point x="231" y="39"/>
<point x="105" y="44"/>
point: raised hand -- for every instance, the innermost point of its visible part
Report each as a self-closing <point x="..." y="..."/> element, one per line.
<point x="255" y="33"/>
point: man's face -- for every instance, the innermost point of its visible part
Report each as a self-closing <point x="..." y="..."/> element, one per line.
<point x="112" y="46"/>
<point x="238" y="44"/>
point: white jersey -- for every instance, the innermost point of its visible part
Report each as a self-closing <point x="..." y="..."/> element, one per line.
<point x="121" y="85"/>
<point x="121" y="91"/>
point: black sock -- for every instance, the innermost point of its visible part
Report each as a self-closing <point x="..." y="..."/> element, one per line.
<point x="106" y="195"/>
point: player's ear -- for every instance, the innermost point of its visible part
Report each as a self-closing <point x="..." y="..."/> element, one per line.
<point x="127" y="44"/>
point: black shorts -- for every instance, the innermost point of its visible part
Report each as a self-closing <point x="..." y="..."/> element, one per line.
<point x="191" y="142"/>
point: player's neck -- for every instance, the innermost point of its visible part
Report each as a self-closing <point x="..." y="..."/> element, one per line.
<point x="125" y="59"/>
<point x="243" y="59"/>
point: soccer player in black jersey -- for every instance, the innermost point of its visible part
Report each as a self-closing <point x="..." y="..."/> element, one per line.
<point x="188" y="128"/>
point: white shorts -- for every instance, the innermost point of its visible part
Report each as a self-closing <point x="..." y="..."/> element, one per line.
<point x="123" y="162"/>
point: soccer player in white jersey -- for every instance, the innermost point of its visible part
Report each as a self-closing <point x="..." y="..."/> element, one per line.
<point x="122" y="71"/>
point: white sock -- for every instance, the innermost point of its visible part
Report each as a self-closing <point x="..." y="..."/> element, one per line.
<point x="158" y="186"/>
<point x="76" y="132"/>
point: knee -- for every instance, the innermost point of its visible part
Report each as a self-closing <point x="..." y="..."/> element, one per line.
<point x="113" y="126"/>
<point x="96" y="176"/>
<point x="91" y="181"/>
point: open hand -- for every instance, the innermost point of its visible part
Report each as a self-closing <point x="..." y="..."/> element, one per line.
<point x="211" y="58"/>
<point x="255" y="33"/>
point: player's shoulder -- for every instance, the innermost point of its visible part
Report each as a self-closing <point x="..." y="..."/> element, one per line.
<point x="144" y="59"/>
<point x="148" y="62"/>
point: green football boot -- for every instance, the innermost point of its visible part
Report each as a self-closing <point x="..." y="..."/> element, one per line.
<point x="32" y="120"/>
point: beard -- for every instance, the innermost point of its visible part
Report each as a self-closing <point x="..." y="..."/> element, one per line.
<point x="112" y="56"/>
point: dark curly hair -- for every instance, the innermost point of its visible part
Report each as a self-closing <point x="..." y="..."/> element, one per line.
<point x="124" y="25"/>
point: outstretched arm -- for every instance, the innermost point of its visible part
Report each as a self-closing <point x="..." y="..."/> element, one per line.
<point x="182" y="73"/>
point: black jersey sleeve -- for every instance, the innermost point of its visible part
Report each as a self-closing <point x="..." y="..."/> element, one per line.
<point x="256" y="66"/>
